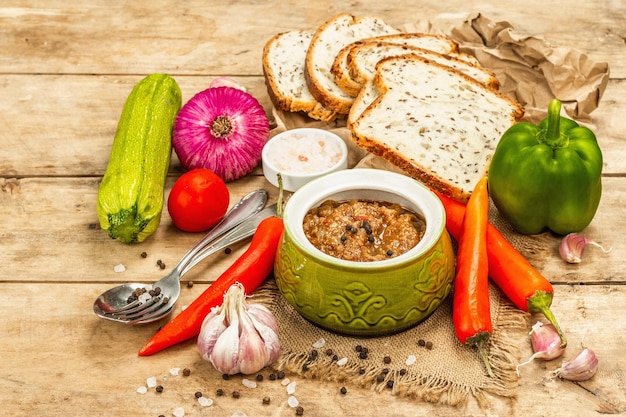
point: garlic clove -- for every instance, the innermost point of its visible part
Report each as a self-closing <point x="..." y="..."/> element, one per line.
<point x="581" y="367"/>
<point x="226" y="82"/>
<point x="213" y="326"/>
<point x="546" y="343"/>
<point x="572" y="246"/>
<point x="252" y="354"/>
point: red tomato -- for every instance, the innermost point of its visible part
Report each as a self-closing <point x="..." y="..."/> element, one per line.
<point x="198" y="200"/>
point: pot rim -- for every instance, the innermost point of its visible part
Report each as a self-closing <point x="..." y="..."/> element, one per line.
<point x="371" y="184"/>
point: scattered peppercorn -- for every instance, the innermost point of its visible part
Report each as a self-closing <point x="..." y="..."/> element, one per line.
<point x="280" y="375"/>
<point x="403" y="371"/>
<point x="385" y="371"/>
<point x="198" y="394"/>
<point x="389" y="252"/>
<point x="370" y="239"/>
<point x="266" y="400"/>
<point x="186" y="372"/>
<point x="387" y="359"/>
<point x="299" y="410"/>
<point x="227" y="251"/>
<point x="335" y="358"/>
<point x="390" y="384"/>
<point x="380" y="378"/>
<point x="362" y="371"/>
<point x="421" y="342"/>
<point x="159" y="388"/>
<point x="343" y="390"/>
<point x="362" y="355"/>
<point x="144" y="255"/>
<point x="219" y="392"/>
<point x="272" y="377"/>
<point x="305" y="367"/>
<point x="259" y="377"/>
<point x="92" y="226"/>
<point x="329" y="352"/>
<point x="358" y="348"/>
<point x="429" y="345"/>
<point x="225" y="377"/>
<point x="236" y="394"/>
<point x="189" y="284"/>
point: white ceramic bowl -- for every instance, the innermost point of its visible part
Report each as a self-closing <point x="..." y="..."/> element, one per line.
<point x="301" y="155"/>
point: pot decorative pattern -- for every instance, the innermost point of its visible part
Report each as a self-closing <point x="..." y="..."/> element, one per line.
<point x="365" y="302"/>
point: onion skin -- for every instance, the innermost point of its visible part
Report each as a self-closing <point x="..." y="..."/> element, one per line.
<point x="222" y="129"/>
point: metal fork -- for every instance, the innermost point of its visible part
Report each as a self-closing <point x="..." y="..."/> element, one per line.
<point x="159" y="298"/>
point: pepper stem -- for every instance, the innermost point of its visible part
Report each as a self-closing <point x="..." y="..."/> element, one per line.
<point x="540" y="302"/>
<point x="552" y="136"/>
<point x="480" y="341"/>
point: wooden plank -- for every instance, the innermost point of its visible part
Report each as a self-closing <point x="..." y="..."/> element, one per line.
<point x="63" y="133"/>
<point x="197" y="38"/>
<point x="78" y="364"/>
<point x="62" y="235"/>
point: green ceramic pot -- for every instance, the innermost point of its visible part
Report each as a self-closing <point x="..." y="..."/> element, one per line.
<point x="365" y="298"/>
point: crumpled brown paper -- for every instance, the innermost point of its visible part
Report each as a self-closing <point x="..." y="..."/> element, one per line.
<point x="529" y="69"/>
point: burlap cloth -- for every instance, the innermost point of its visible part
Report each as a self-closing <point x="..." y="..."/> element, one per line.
<point x="445" y="372"/>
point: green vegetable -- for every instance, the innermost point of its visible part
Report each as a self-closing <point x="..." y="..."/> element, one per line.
<point x="130" y="197"/>
<point x="547" y="175"/>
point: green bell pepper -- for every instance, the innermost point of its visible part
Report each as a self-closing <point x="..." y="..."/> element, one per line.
<point x="547" y="175"/>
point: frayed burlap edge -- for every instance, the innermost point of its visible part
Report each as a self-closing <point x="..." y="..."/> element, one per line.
<point x="510" y="325"/>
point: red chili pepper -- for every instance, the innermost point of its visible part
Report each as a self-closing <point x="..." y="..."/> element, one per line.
<point x="470" y="311"/>
<point x="526" y="287"/>
<point x="250" y="269"/>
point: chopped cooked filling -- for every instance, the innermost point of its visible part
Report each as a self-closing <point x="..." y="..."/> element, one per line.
<point x="363" y="230"/>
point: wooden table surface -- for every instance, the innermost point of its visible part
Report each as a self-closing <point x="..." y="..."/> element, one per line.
<point x="66" y="69"/>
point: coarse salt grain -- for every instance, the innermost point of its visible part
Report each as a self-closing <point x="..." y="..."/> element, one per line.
<point x="142" y="390"/>
<point x="342" y="361"/>
<point x="178" y="412"/>
<point x="285" y="382"/>
<point x="119" y="268"/>
<point x="239" y="414"/>
<point x="411" y="360"/>
<point x="302" y="154"/>
<point x="319" y="343"/>
<point x="291" y="388"/>
<point x="293" y="401"/>
<point x="205" y="402"/>
<point x="174" y="371"/>
<point x="151" y="382"/>
<point x="248" y="383"/>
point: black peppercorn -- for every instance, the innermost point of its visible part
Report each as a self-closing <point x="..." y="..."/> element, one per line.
<point x="390" y="383"/>
<point x="380" y="378"/>
<point x="387" y="360"/>
<point x="219" y="392"/>
<point x="189" y="284"/>
<point x="343" y="390"/>
<point x="227" y="251"/>
<point x="266" y="400"/>
<point x="198" y="394"/>
<point x="421" y="342"/>
<point x="329" y="352"/>
<point x="186" y="372"/>
<point x="272" y="377"/>
<point x="389" y="252"/>
<point x="280" y="375"/>
<point x="236" y="394"/>
<point x="159" y="388"/>
<point x="358" y="348"/>
<point x="144" y="255"/>
<point x="299" y="411"/>
<point x="259" y="377"/>
<point x="429" y="345"/>
<point x="403" y="371"/>
<point x="371" y="239"/>
<point x="225" y="377"/>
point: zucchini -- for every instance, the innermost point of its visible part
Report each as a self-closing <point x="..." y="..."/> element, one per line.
<point x="130" y="195"/>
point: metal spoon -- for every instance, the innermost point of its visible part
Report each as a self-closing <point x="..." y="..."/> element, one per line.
<point x="113" y="304"/>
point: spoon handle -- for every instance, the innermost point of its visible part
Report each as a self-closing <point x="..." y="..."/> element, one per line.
<point x="242" y="210"/>
<point x="242" y="231"/>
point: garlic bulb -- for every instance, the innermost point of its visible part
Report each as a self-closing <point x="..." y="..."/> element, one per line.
<point x="546" y="343"/>
<point x="581" y="367"/>
<point x="238" y="337"/>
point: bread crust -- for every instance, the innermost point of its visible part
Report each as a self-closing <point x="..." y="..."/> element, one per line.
<point x="336" y="101"/>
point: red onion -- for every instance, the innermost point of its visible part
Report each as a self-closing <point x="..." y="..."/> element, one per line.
<point x="222" y="129"/>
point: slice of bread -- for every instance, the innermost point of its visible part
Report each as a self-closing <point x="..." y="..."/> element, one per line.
<point x="341" y="66"/>
<point x="363" y="58"/>
<point x="327" y="41"/>
<point x="435" y="123"/>
<point x="283" y="66"/>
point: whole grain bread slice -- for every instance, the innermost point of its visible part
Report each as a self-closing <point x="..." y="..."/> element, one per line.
<point x="435" y="123"/>
<point x="326" y="43"/>
<point x="341" y="66"/>
<point x="283" y="67"/>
